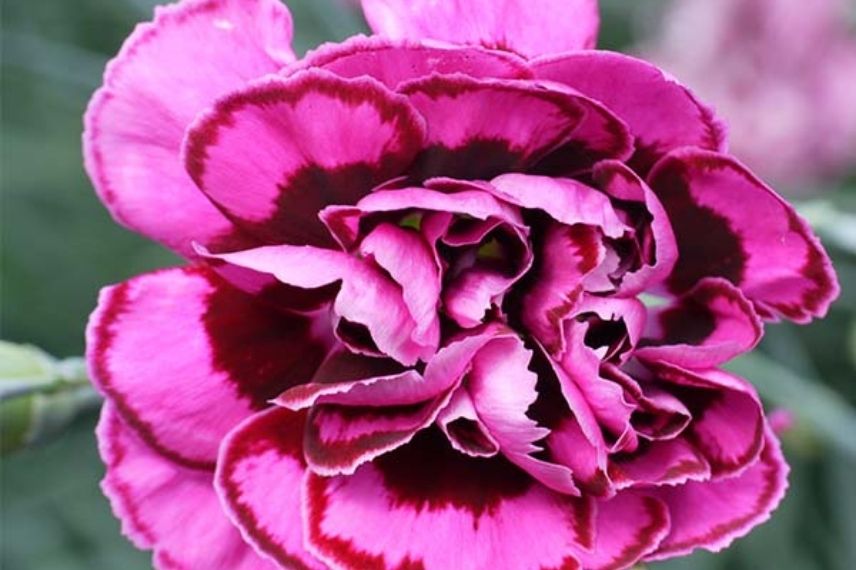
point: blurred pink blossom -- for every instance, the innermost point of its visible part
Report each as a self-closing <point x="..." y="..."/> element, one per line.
<point x="781" y="72"/>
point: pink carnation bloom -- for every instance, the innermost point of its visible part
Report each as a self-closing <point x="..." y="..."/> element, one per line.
<point x="411" y="331"/>
<point x="783" y="73"/>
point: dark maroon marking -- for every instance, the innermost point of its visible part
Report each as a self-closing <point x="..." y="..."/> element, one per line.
<point x="690" y="322"/>
<point x="770" y="480"/>
<point x="280" y="431"/>
<point x="575" y="156"/>
<point x="699" y="401"/>
<point x="105" y="334"/>
<point x="470" y="436"/>
<point x="707" y="245"/>
<point x="343" y="453"/>
<point x="304" y="192"/>
<point x="479" y="159"/>
<point x="428" y="474"/>
<point x="356" y="336"/>
<point x="568" y="563"/>
<point x="263" y="352"/>
<point x="645" y="538"/>
<point x="345" y="366"/>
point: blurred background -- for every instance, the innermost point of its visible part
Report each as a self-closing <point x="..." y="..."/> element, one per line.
<point x="782" y="72"/>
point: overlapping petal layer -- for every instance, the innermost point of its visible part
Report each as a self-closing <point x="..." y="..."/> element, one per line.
<point x="454" y="307"/>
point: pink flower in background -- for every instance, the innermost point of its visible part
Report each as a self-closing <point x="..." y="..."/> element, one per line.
<point x="456" y="296"/>
<point x="782" y="72"/>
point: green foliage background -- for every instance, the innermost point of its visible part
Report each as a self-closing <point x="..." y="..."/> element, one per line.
<point x="59" y="246"/>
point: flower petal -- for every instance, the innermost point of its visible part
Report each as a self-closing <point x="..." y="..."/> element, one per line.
<point x="275" y="153"/>
<point x="167" y="507"/>
<point x="706" y="327"/>
<point x="665" y="462"/>
<point x="655" y="236"/>
<point x="466" y="141"/>
<point x="503" y="389"/>
<point x="367" y="296"/>
<point x="263" y="454"/>
<point x="728" y="420"/>
<point x="712" y="514"/>
<point x="485" y="513"/>
<point x="394" y="62"/>
<point x="463" y="427"/>
<point x="661" y="113"/>
<point x="166" y="73"/>
<point x="531" y="27"/>
<point x="170" y="351"/>
<point x="729" y="224"/>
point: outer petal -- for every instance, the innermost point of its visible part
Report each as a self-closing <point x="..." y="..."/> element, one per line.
<point x="711" y="324"/>
<point x="661" y="113"/>
<point x="729" y="224"/>
<point x="184" y="357"/>
<point x="712" y="514"/>
<point x="367" y="295"/>
<point x="466" y="141"/>
<point x="394" y="62"/>
<point x="166" y="507"/>
<point x="394" y="512"/>
<point x="263" y="454"/>
<point x="276" y="153"/>
<point x="728" y="420"/>
<point x="165" y="74"/>
<point x="529" y="27"/>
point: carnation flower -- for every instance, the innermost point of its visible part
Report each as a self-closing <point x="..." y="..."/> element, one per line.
<point x="456" y="296"/>
<point x="782" y="72"/>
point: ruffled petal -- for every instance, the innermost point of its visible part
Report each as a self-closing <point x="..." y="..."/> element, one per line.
<point x="166" y="73"/>
<point x="394" y="62"/>
<point x="275" y="153"/>
<point x="466" y="141"/>
<point x="706" y="327"/>
<point x="711" y="515"/>
<point x="367" y="296"/>
<point x="168" y="508"/>
<point x="265" y="454"/>
<point x="729" y="224"/>
<point x="463" y="427"/>
<point x="531" y="27"/>
<point x="169" y="349"/>
<point x="503" y="389"/>
<point x="661" y="113"/>
<point x="428" y="506"/>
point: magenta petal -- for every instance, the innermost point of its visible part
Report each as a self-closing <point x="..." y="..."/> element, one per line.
<point x="629" y="527"/>
<point x="426" y="506"/>
<point x="367" y="295"/>
<point x="728" y="420"/>
<point x="503" y="389"/>
<point x="166" y="507"/>
<point x="661" y="113"/>
<point x="169" y="350"/>
<point x="563" y="199"/>
<point x="166" y="73"/>
<point x="466" y="141"/>
<point x="341" y="438"/>
<point x="259" y="478"/>
<point x="712" y="514"/>
<point x="666" y="462"/>
<point x="275" y="153"/>
<point x="711" y="324"/>
<point x="621" y="183"/>
<point x="465" y="430"/>
<point x="531" y="28"/>
<point x="394" y="62"/>
<point x="729" y="224"/>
